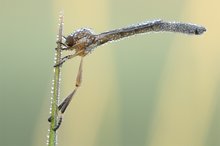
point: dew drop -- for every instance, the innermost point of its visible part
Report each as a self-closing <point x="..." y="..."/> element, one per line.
<point x="48" y="136"/>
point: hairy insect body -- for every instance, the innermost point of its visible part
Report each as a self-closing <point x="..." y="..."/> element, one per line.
<point x="82" y="41"/>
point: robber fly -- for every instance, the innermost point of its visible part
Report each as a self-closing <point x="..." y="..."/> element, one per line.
<point x="83" y="41"/>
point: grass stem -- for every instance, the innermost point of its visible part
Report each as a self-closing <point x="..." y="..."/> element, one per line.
<point x="52" y="139"/>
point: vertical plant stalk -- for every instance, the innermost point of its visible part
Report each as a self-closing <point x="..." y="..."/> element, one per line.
<point x="52" y="137"/>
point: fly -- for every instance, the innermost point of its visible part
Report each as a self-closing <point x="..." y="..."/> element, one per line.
<point x="83" y="41"/>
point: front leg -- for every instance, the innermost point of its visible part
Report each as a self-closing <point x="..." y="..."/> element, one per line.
<point x="63" y="46"/>
<point x="67" y="58"/>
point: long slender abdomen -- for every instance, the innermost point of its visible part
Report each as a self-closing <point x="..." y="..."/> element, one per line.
<point x="150" y="26"/>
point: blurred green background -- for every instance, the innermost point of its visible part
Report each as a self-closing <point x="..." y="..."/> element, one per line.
<point x="151" y="90"/>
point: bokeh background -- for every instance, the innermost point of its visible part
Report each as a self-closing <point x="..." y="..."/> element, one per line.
<point x="151" y="90"/>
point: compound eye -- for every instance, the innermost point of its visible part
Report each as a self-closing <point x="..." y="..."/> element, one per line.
<point x="69" y="41"/>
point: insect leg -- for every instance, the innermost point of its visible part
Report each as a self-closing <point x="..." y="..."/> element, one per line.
<point x="63" y="45"/>
<point x="62" y="107"/>
<point x="67" y="58"/>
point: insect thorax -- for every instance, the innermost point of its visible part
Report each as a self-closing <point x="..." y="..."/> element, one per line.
<point x="76" y="36"/>
<point x="80" y="40"/>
